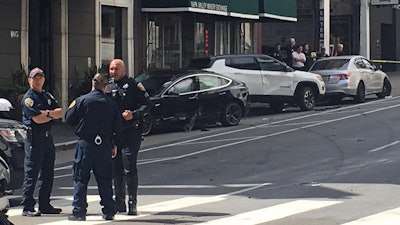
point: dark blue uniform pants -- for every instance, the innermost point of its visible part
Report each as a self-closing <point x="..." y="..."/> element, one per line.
<point x="38" y="167"/>
<point x="89" y="156"/>
<point x="125" y="165"/>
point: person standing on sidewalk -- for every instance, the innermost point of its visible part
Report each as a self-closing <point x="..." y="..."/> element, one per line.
<point x="39" y="108"/>
<point x="129" y="97"/>
<point x="97" y="120"/>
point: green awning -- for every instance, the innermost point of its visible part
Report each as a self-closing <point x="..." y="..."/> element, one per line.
<point x="280" y="10"/>
<point x="234" y="8"/>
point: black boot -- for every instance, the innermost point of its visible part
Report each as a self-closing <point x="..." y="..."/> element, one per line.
<point x="120" y="186"/>
<point x="132" y="182"/>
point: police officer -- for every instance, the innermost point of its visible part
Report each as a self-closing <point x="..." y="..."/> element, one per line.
<point x="129" y="96"/>
<point x="98" y="119"/>
<point x="39" y="108"/>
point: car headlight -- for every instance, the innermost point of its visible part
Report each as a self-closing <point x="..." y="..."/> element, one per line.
<point x="319" y="77"/>
<point x="13" y="135"/>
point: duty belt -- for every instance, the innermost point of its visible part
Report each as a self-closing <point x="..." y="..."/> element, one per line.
<point x="45" y="133"/>
<point x="96" y="139"/>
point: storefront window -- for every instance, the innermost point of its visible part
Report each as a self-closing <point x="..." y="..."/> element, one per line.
<point x="222" y="37"/>
<point x="164" y="48"/>
<point x="245" y="38"/>
<point x="200" y="40"/>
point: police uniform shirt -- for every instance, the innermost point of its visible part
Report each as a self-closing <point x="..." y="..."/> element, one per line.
<point x="94" y="114"/>
<point x="127" y="95"/>
<point x="32" y="103"/>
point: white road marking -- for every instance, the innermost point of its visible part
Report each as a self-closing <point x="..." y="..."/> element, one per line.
<point x="147" y="209"/>
<point x="384" y="147"/>
<point x="272" y="213"/>
<point x="389" y="217"/>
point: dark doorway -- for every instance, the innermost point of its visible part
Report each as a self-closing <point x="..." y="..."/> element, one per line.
<point x="111" y="34"/>
<point x="388" y="45"/>
<point x="41" y="40"/>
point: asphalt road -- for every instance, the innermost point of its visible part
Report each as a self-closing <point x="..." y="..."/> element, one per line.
<point x="334" y="165"/>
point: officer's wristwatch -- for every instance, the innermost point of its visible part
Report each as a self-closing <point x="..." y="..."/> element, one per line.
<point x="48" y="114"/>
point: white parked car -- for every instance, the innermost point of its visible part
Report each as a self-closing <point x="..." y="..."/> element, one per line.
<point x="268" y="79"/>
<point x="351" y="76"/>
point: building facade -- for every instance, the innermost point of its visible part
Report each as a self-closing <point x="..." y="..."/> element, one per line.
<point x="70" y="39"/>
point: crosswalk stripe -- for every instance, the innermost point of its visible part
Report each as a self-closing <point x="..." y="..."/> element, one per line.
<point x="272" y="213"/>
<point x="146" y="209"/>
<point x="61" y="201"/>
<point x="389" y="217"/>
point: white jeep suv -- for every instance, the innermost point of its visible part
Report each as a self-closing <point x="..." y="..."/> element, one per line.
<point x="269" y="80"/>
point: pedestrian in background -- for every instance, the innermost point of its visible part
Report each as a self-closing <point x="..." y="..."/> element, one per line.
<point x="97" y="120"/>
<point x="309" y="59"/>
<point x="298" y="58"/>
<point x="129" y="96"/>
<point x="289" y="50"/>
<point x="277" y="52"/>
<point x="322" y="54"/>
<point x="339" y="51"/>
<point x="39" y="109"/>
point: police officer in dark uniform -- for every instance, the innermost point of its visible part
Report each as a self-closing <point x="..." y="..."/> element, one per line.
<point x="97" y="121"/>
<point x="130" y="98"/>
<point x="39" y="108"/>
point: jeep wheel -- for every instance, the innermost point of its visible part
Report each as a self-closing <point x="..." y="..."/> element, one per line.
<point x="306" y="99"/>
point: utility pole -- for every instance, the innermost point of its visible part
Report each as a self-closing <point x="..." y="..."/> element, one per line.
<point x="324" y="23"/>
<point x="364" y="28"/>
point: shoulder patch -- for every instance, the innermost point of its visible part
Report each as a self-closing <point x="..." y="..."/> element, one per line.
<point x="72" y="104"/>
<point x="28" y="102"/>
<point x="141" y="87"/>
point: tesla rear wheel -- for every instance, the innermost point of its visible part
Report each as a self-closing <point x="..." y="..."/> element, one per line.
<point x="360" y="94"/>
<point x="386" y="89"/>
<point x="306" y="99"/>
<point x="231" y="114"/>
<point x="147" y="124"/>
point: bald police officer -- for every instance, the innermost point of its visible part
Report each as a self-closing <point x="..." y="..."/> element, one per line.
<point x="97" y="120"/>
<point x="130" y="97"/>
<point x="39" y="108"/>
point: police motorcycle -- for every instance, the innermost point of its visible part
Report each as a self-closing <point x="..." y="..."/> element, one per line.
<point x="13" y="135"/>
<point x="4" y="201"/>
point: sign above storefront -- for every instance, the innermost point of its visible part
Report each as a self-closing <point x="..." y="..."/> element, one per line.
<point x="385" y="2"/>
<point x="209" y="6"/>
<point x="232" y="8"/>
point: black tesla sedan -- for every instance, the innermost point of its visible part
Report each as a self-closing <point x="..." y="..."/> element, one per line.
<point x="188" y="98"/>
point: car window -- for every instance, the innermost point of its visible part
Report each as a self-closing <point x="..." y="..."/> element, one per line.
<point x="269" y="64"/>
<point x="208" y="82"/>
<point x="368" y="65"/>
<point x="183" y="86"/>
<point x="245" y="63"/>
<point x="153" y="83"/>
<point x="330" y="64"/>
